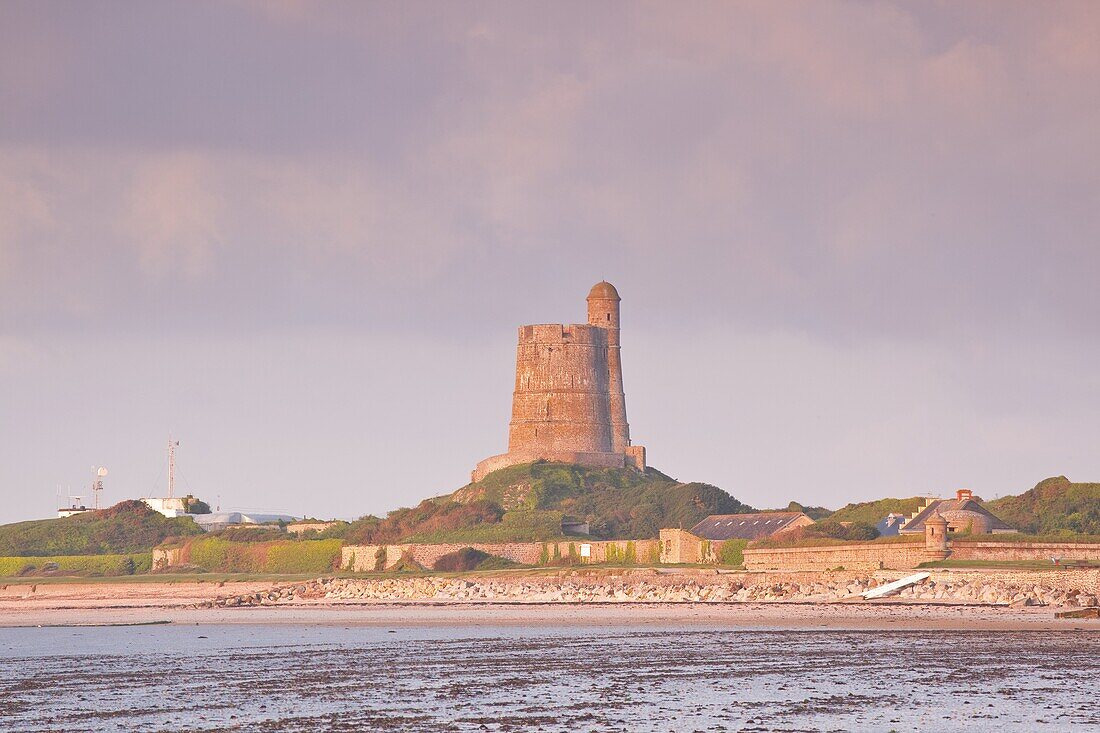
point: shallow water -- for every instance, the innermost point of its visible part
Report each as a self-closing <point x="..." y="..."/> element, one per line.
<point x="303" y="678"/>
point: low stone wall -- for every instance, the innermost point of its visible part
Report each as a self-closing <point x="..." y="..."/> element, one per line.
<point x="365" y="558"/>
<point x="595" y="460"/>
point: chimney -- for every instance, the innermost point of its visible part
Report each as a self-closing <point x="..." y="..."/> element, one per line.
<point x="964" y="494"/>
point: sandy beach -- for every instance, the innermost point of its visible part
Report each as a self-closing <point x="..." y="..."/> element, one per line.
<point x="178" y="602"/>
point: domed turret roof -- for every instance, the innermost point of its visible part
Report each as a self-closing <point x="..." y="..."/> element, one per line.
<point x="603" y="290"/>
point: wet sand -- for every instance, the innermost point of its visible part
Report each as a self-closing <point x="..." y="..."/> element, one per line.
<point x="138" y="656"/>
<point x="294" y="677"/>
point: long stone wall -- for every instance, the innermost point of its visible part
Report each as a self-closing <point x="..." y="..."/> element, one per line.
<point x="867" y="556"/>
<point x="876" y="556"/>
<point x="1042" y="551"/>
<point x="1068" y="588"/>
<point x="365" y="558"/>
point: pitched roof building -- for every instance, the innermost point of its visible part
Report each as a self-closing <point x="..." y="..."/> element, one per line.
<point x="749" y="526"/>
<point x="962" y="513"/>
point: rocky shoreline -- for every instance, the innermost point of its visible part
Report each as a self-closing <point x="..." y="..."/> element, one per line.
<point x="1008" y="589"/>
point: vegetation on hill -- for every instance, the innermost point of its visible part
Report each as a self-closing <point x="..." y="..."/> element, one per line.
<point x="215" y="554"/>
<point x="1055" y="505"/>
<point x="429" y="516"/>
<point x="125" y="528"/>
<point x="527" y="503"/>
<point x="832" y="529"/>
<point x="813" y="512"/>
<point x="872" y="512"/>
<point x="82" y="565"/>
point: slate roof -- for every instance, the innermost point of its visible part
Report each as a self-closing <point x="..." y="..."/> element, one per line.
<point x="949" y="509"/>
<point x="889" y="525"/>
<point x="744" y="526"/>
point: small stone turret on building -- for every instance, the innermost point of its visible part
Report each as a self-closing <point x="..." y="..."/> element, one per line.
<point x="935" y="537"/>
<point x="568" y="404"/>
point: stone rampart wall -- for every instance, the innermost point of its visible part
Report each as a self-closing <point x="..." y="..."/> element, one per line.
<point x="595" y="460"/>
<point x="364" y="558"/>
<point x="874" y="556"/>
<point x="1042" y="551"/>
<point x="868" y="556"/>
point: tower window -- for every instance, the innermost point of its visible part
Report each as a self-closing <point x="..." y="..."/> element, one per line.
<point x="609" y="316"/>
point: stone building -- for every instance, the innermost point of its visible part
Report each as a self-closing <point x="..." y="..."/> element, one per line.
<point x="568" y="404"/>
<point x="962" y="514"/>
<point x="749" y="526"/>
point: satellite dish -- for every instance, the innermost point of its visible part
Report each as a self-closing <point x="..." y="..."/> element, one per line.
<point x="101" y="472"/>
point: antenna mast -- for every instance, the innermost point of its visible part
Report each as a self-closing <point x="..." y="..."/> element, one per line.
<point x="172" y="466"/>
<point x="97" y="485"/>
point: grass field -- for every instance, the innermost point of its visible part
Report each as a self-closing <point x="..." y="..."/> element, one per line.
<point x="1004" y="565"/>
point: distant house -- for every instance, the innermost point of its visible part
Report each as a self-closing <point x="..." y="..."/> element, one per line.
<point x="749" y="526"/>
<point x="889" y="526"/>
<point x="223" y="520"/>
<point x="963" y="514"/>
<point x="174" y="506"/>
<point x="72" y="511"/>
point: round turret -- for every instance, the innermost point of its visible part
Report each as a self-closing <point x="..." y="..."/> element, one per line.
<point x="603" y="290"/>
<point x="935" y="536"/>
<point x="603" y="312"/>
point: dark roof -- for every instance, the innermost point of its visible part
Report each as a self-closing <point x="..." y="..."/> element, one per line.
<point x="888" y="526"/>
<point x="744" y="526"/>
<point x="947" y="508"/>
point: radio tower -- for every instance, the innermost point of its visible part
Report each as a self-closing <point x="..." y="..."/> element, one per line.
<point x="97" y="485"/>
<point x="172" y="466"/>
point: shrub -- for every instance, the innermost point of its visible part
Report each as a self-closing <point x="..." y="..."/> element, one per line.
<point x="732" y="553"/>
<point x="465" y="559"/>
<point x="303" y="556"/>
<point x="259" y="533"/>
<point x="110" y="565"/>
<point x="287" y="556"/>
<point x="428" y="517"/>
<point x="407" y="564"/>
<point x="621" y="555"/>
<point x="849" y="532"/>
<point x="470" y="559"/>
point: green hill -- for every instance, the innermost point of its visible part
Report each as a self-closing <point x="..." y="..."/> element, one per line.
<point x="125" y="528"/>
<point x="872" y="512"/>
<point x="1055" y="505"/>
<point x="527" y="503"/>
<point x="813" y="512"/>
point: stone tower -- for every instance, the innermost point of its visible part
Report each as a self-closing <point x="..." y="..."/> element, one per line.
<point x="568" y="404"/>
<point x="603" y="311"/>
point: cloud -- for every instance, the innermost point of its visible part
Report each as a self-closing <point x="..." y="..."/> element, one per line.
<point x="24" y="209"/>
<point x="814" y="167"/>
<point x="173" y="217"/>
